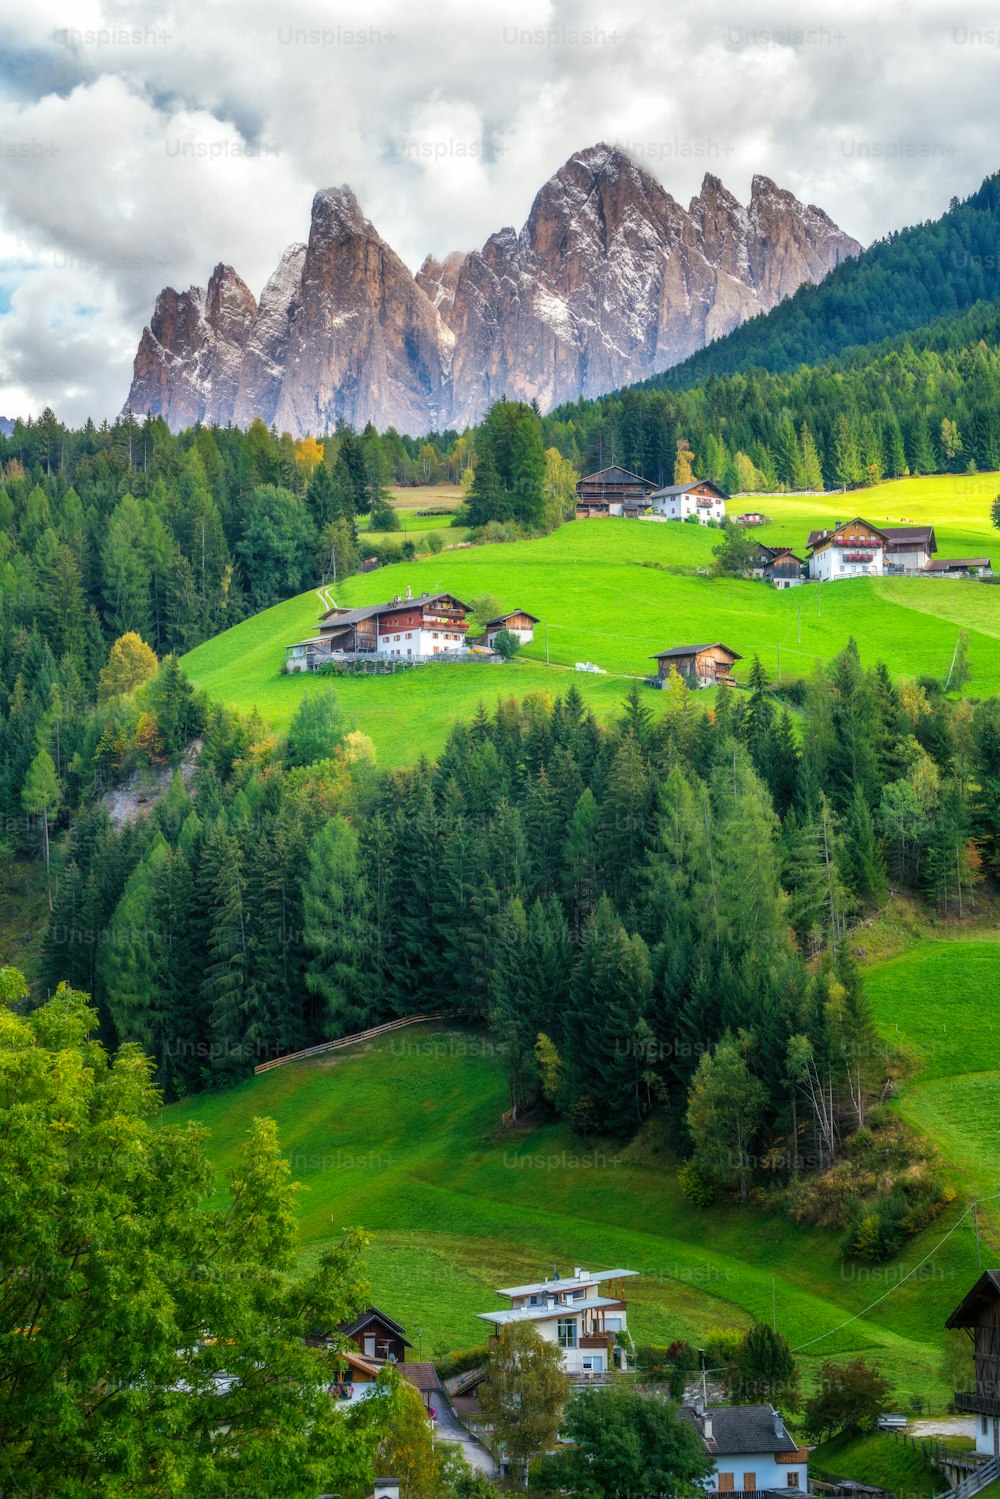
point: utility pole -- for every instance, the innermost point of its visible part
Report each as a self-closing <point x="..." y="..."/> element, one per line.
<point x="546" y="628"/>
<point x="778" y="649"/>
<point x="800" y="623"/>
<point x="975" y="1219"/>
<point x="819" y="594"/>
<point x="774" y="1307"/>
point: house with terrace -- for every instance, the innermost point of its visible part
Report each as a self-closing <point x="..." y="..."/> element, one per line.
<point x="751" y="1448"/>
<point x="404" y="628"/>
<point x="853" y="549"/>
<point x="585" y="1314"/>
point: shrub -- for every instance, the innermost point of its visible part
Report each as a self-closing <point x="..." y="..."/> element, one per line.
<point x="694" y="1188"/>
<point x="506" y="644"/>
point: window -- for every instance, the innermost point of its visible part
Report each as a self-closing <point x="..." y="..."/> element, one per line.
<point x="725" y="1483"/>
<point x="566" y="1332"/>
<point x="792" y="1481"/>
<point x="613" y="1324"/>
<point x="749" y="1483"/>
<point x="593" y="1364"/>
<point x="369" y="1347"/>
<point x="986" y="1426"/>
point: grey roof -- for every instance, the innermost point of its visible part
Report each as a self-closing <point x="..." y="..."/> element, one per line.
<point x="740" y="1429"/>
<point x="910" y="533"/>
<point x="372" y="1314"/>
<point x="671" y="489"/>
<point x="693" y="650"/>
<point x="945" y="564"/>
<point x="371" y="611"/>
<point x="502" y="618"/>
<point x="615" y="474"/>
<point x="565" y="1283"/>
<point x="546" y="1313"/>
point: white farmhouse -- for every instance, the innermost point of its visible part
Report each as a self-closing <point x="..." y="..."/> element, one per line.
<point x="700" y="498"/>
<point x="855" y="549"/>
<point x="574" y="1313"/>
<point x="751" y="1448"/>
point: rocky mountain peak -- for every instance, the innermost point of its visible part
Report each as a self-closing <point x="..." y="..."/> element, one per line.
<point x="609" y="281"/>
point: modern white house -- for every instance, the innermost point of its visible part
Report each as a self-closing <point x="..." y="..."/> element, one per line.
<point x="589" y="1326"/>
<point x="751" y="1448"/>
<point x="855" y="549"/>
<point x="700" y="498"/>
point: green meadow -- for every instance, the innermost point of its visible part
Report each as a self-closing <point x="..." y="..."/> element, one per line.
<point x="938" y="1005"/>
<point x="402" y="1135"/>
<point x="615" y="591"/>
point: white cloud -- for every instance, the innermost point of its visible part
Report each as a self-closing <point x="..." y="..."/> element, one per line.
<point x="144" y="142"/>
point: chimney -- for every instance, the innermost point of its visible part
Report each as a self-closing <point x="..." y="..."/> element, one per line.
<point x="706" y="1428"/>
<point x="577" y="1272"/>
<point x="699" y="1406"/>
<point x="779" y="1425"/>
<point x="386" y="1488"/>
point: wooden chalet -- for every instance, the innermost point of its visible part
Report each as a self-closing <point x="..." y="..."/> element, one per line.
<point x="708" y="663"/>
<point x="519" y="622"/>
<point x="612" y="491"/>
<point x="376" y="1336"/>
<point x="753" y="518"/>
<point x="406" y="628"/>
<point x="978" y="1315"/>
<point x="778" y="565"/>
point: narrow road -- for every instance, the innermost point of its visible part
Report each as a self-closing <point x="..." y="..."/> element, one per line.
<point x="450" y="1429"/>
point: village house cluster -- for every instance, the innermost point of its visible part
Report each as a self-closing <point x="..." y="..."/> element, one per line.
<point x="851" y="549"/>
<point x="406" y="630"/>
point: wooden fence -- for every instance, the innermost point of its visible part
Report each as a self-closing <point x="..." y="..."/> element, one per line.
<point x="376" y="1030"/>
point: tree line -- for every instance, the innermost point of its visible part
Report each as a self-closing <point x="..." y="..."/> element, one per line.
<point x="652" y="919"/>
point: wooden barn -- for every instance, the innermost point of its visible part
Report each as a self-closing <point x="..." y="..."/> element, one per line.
<point x="979" y="1317"/>
<point x="519" y="622"/>
<point x="778" y="565"/>
<point x="612" y="491"/>
<point x="708" y="663"/>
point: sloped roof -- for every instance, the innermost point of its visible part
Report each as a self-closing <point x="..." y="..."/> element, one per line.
<point x="502" y="618"/>
<point x="615" y="474"/>
<point x="740" y="1428"/>
<point x="986" y="1290"/>
<point x="693" y="650"/>
<point x="422" y="1374"/>
<point x="945" y="564"/>
<point x="371" y="611"/>
<point x="816" y="538"/>
<point x="911" y="533"/>
<point x="669" y="490"/>
<point x="372" y="1314"/>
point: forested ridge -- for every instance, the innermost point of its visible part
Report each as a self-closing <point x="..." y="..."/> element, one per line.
<point x="651" y="919"/>
<point x="903" y="281"/>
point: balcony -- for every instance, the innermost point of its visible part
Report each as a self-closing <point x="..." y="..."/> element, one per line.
<point x="598" y="1340"/>
<point x="976" y="1404"/>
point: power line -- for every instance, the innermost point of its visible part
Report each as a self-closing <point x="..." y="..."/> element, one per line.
<point x="865" y="1310"/>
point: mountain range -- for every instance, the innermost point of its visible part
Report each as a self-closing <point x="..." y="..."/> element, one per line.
<point x="609" y="281"/>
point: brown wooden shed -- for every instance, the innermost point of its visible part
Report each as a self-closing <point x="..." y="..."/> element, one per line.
<point x="709" y="663"/>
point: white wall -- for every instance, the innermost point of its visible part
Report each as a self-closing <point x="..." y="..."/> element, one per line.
<point x="985" y="1441"/>
<point x="828" y="566"/>
<point x="769" y="1473"/>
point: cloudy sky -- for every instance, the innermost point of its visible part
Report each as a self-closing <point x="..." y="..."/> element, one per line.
<point x="143" y="142"/>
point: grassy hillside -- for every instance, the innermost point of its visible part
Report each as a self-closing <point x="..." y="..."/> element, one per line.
<point x="402" y="1136"/>
<point x="614" y="591"/>
<point x="938" y="1002"/>
<point x="880" y="1461"/>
